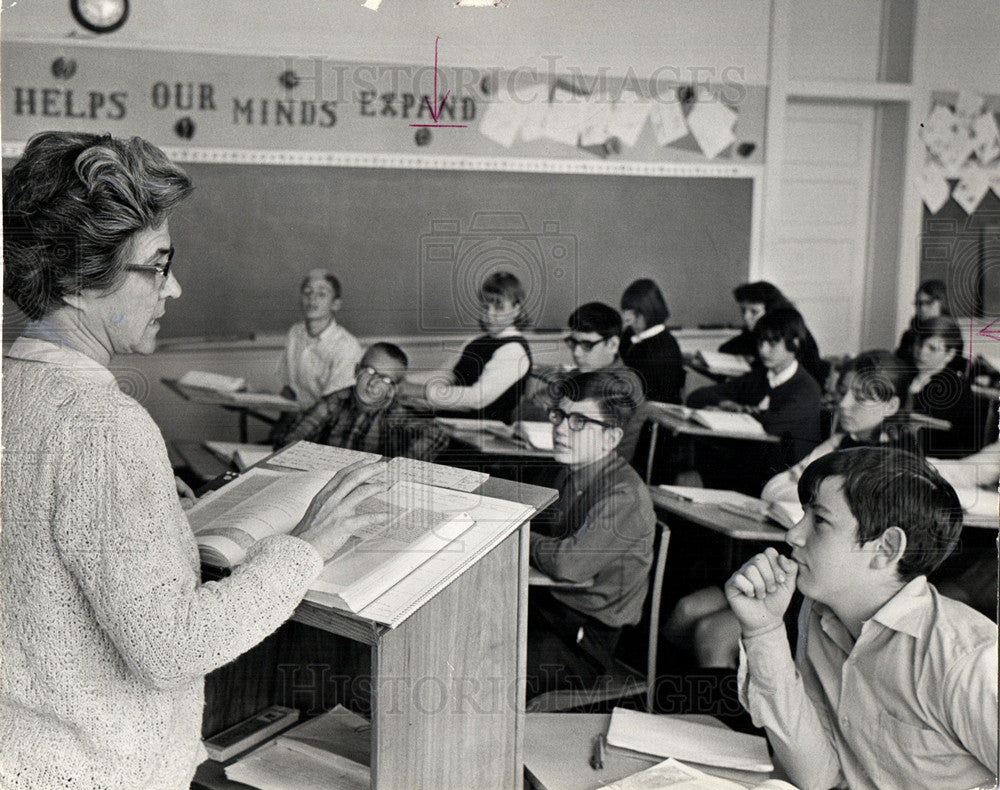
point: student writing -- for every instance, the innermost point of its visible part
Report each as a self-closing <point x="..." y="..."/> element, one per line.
<point x="892" y="685"/>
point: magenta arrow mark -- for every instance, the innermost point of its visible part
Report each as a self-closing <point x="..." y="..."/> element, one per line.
<point x="435" y="114"/>
<point x="988" y="331"/>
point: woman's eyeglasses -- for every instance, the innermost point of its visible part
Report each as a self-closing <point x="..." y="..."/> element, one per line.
<point x="586" y="345"/>
<point x="161" y="269"/>
<point x="574" y="419"/>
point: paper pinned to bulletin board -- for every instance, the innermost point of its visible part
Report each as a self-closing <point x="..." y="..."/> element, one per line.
<point x="961" y="136"/>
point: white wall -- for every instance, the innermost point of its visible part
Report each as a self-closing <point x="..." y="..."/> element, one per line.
<point x="640" y="35"/>
<point x="962" y="45"/>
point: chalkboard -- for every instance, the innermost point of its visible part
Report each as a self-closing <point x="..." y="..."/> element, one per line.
<point x="411" y="246"/>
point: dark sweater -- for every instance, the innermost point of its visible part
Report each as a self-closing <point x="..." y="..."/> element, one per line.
<point x="793" y="412"/>
<point x="745" y="345"/>
<point x="470" y="366"/>
<point x="659" y="363"/>
<point x="947" y="396"/>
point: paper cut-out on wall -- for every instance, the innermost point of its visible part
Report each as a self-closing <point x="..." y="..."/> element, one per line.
<point x="711" y="122"/>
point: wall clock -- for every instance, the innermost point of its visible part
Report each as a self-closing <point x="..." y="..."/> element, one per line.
<point x="100" y="16"/>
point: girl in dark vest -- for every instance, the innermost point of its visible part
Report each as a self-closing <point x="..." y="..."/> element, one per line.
<point x="490" y="376"/>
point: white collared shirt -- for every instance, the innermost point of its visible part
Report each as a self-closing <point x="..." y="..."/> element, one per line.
<point x="911" y="704"/>
<point x="775" y="380"/>
<point x="317" y="366"/>
<point x="645" y="334"/>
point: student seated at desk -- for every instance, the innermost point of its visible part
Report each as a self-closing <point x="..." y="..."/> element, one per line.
<point x="892" y="684"/>
<point x="320" y="355"/>
<point x="600" y="529"/>
<point x="870" y="387"/>
<point x="939" y="390"/>
<point x="647" y="345"/>
<point x="368" y="416"/>
<point x="931" y="301"/>
<point x="594" y="335"/>
<point x="755" y="301"/>
<point x="491" y="374"/>
<point x="781" y="393"/>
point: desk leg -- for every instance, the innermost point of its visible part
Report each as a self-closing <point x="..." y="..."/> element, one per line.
<point x="244" y="432"/>
<point x="446" y="696"/>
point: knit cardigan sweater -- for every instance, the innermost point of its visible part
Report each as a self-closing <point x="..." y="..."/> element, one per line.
<point x="108" y="631"/>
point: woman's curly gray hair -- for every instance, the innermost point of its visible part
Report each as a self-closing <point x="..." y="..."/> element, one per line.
<point x="72" y="205"/>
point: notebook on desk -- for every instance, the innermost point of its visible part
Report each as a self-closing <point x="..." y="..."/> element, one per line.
<point x="732" y="422"/>
<point x="785" y="514"/>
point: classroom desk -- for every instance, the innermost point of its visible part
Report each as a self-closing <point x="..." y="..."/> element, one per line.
<point x="557" y="749"/>
<point x="712" y="517"/>
<point x="692" y="363"/>
<point x="445" y="684"/>
<point x="491" y="444"/>
<point x="658" y="416"/>
<point x="203" y="463"/>
<point x="213" y="398"/>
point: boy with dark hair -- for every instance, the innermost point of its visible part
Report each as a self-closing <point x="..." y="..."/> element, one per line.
<point x="369" y="416"/>
<point x="594" y="335"/>
<point x="893" y="685"/>
<point x="601" y="529"/>
<point x="781" y="393"/>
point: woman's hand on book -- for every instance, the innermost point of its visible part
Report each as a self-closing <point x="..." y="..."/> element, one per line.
<point x="330" y="518"/>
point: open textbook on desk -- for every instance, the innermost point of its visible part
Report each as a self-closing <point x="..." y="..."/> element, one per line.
<point x="383" y="573"/>
<point x="732" y="422"/>
<point x="785" y="514"/>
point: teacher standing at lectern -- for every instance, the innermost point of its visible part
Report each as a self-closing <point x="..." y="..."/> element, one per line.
<point x="107" y="629"/>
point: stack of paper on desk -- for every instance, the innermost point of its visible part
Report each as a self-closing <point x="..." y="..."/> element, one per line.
<point x="674" y="774"/>
<point x="670" y="736"/>
<point x="331" y="750"/>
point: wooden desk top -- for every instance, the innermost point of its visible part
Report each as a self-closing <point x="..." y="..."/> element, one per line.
<point x="557" y="749"/>
<point x="210" y="397"/>
<point x="715" y="518"/>
<point x="678" y="425"/>
<point x="490" y="444"/>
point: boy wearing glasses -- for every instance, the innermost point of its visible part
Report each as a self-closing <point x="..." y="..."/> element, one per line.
<point x="369" y="416"/>
<point x="893" y="685"/>
<point x="594" y="335"/>
<point x="601" y="529"/>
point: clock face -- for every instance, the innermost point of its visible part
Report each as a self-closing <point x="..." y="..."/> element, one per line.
<point x="101" y="16"/>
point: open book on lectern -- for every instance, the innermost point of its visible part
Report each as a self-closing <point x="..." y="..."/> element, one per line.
<point x="383" y="573"/>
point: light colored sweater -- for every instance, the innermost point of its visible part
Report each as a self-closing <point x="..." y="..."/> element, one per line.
<point x="107" y="630"/>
